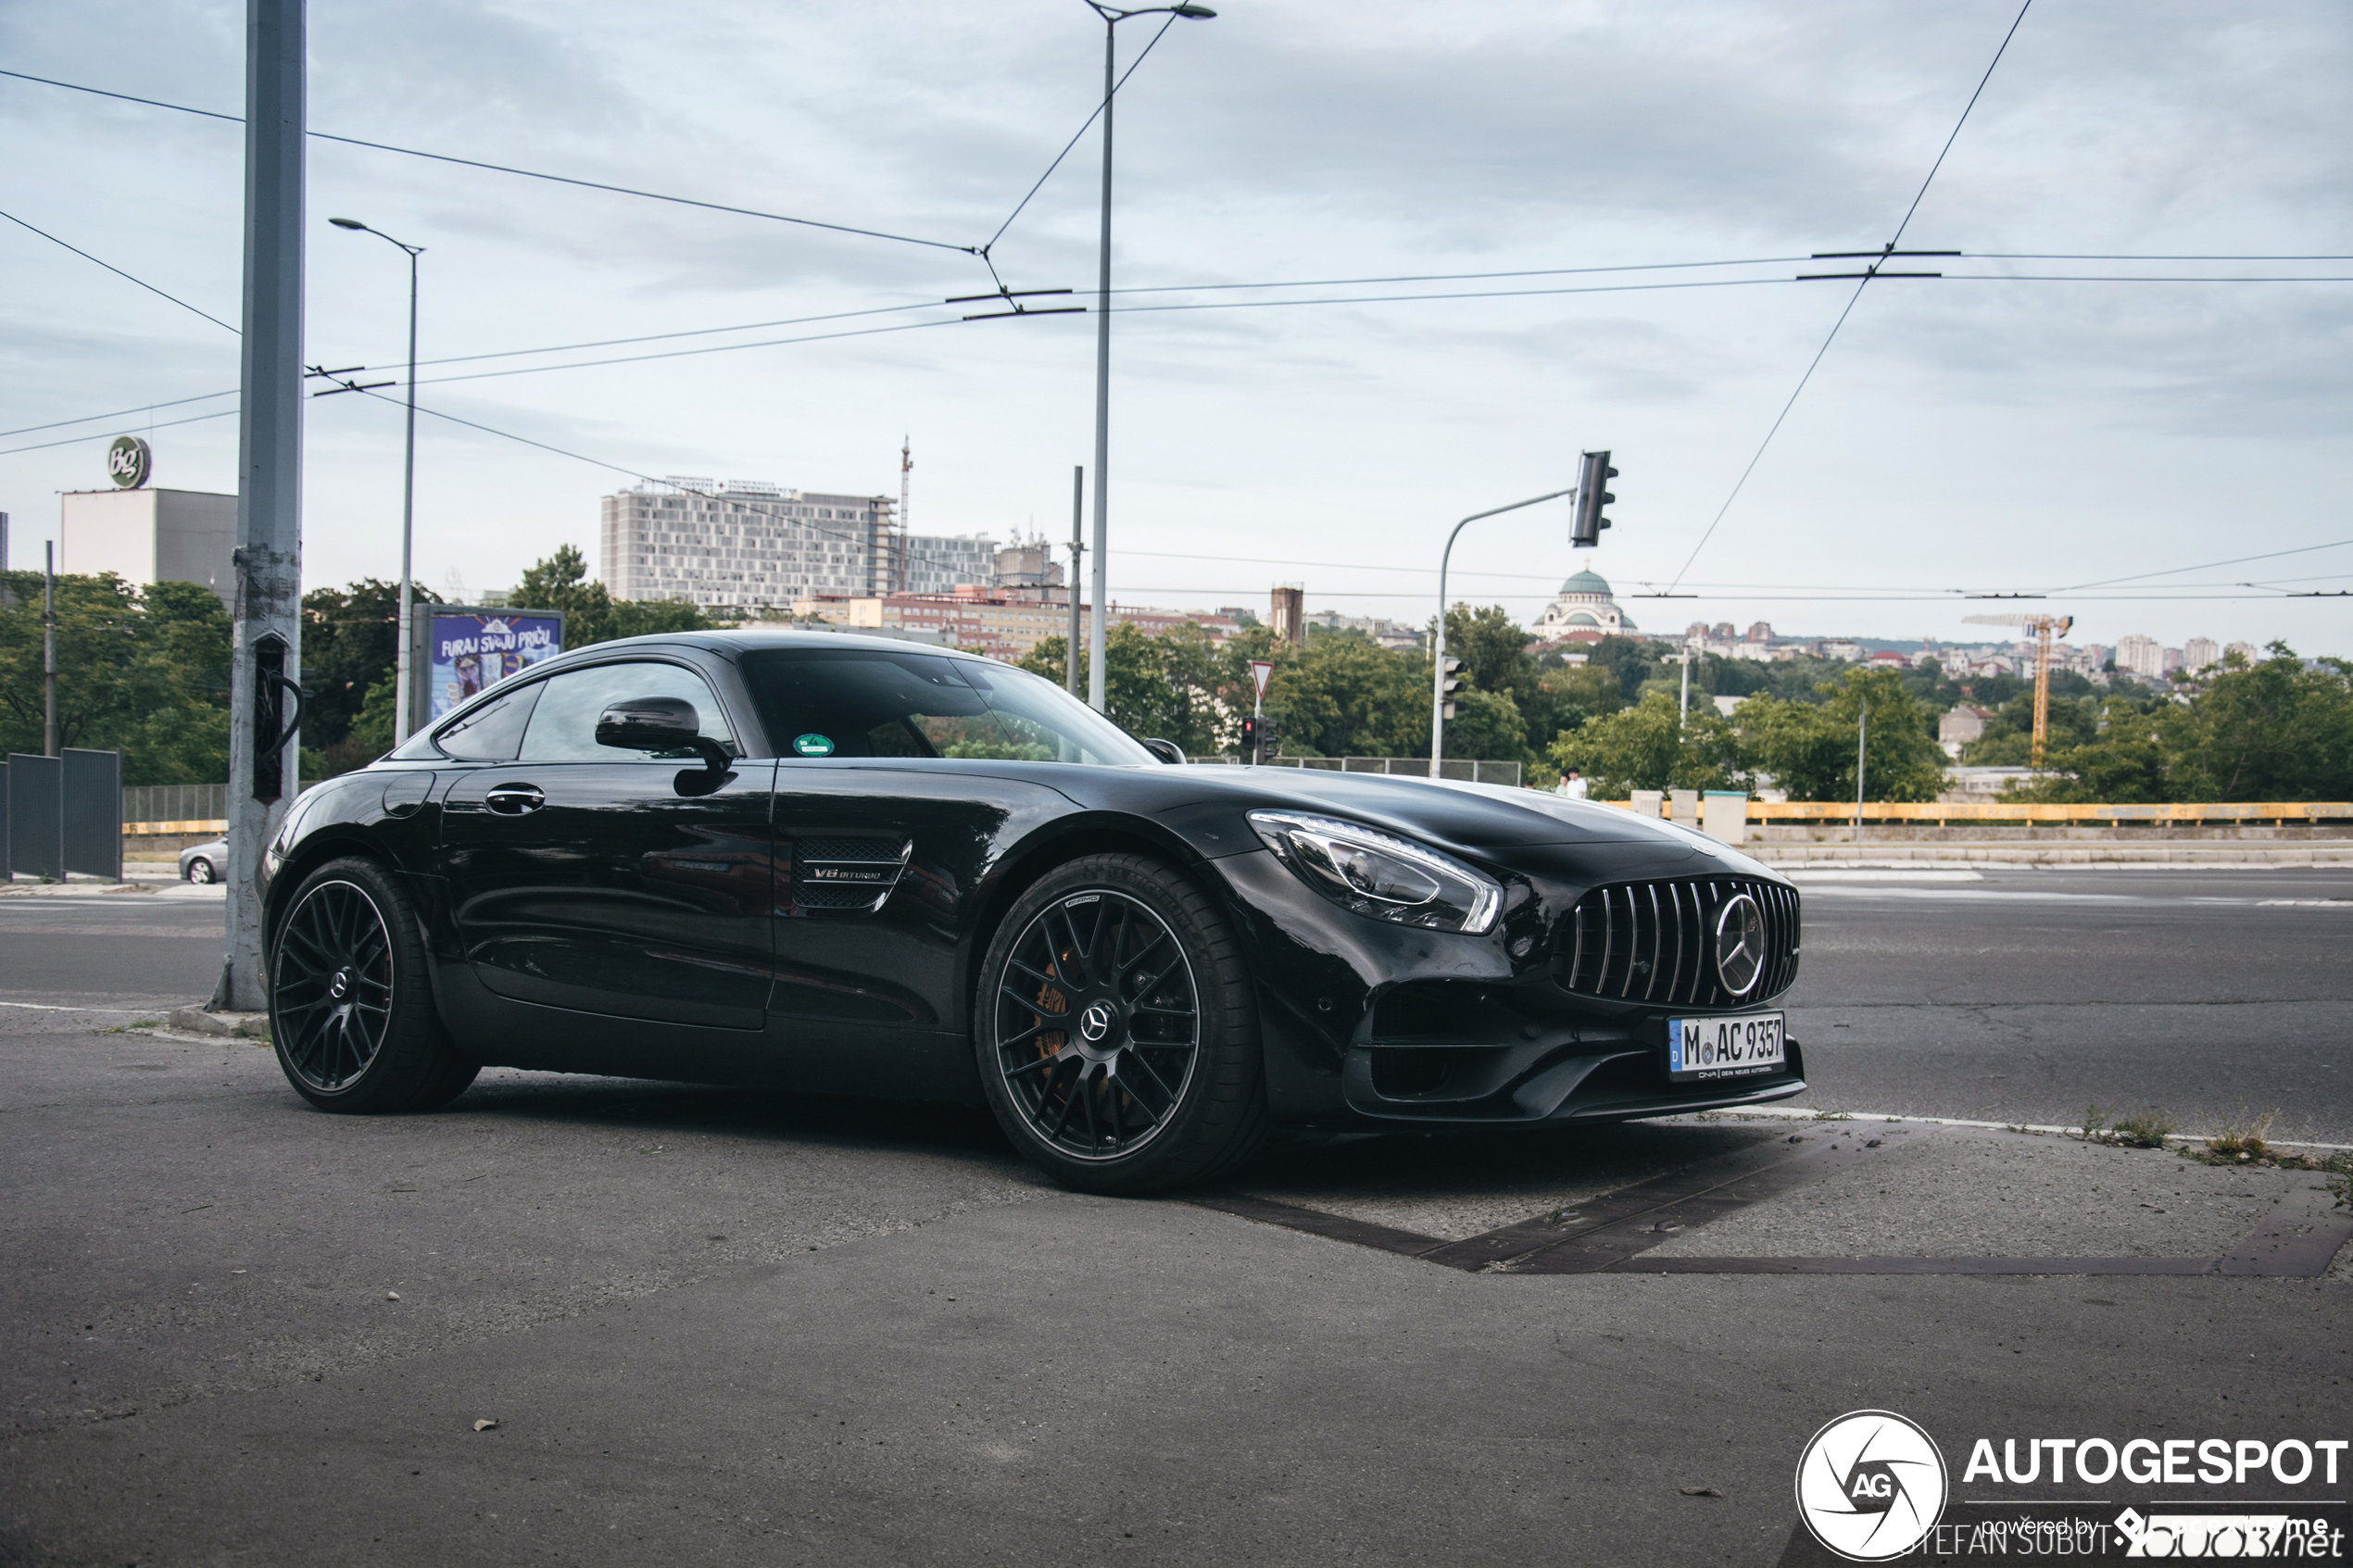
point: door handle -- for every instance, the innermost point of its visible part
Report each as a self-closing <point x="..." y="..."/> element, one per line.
<point x="514" y="799"/>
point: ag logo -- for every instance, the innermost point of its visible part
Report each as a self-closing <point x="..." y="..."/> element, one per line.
<point x="1871" y="1485"/>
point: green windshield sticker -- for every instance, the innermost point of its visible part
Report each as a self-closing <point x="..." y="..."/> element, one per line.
<point x="814" y="745"/>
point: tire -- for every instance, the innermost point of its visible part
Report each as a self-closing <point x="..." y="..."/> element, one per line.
<point x="1160" y="1082"/>
<point x="200" y="870"/>
<point x="351" y="1016"/>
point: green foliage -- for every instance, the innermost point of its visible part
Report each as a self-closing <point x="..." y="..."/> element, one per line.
<point x="2269" y="731"/>
<point x="1650" y="745"/>
<point x="1808" y="749"/>
<point x="349" y="638"/>
<point x="145" y="671"/>
<point x="593" y="615"/>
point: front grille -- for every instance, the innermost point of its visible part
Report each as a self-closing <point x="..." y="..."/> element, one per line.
<point x="1655" y="942"/>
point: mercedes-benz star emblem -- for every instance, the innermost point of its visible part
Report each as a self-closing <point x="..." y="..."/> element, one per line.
<point x="1095" y="1023"/>
<point x="1740" y="943"/>
<point x="339" y="984"/>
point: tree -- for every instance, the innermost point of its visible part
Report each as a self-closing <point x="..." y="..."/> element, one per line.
<point x="349" y="641"/>
<point x="1649" y="745"/>
<point x="1808" y="749"/>
<point x="593" y="615"/>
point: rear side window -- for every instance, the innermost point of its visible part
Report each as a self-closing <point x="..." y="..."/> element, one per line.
<point x="492" y="733"/>
<point x="563" y="725"/>
<point x="869" y="702"/>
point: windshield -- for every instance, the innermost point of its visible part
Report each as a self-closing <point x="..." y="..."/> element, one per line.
<point x="870" y="702"/>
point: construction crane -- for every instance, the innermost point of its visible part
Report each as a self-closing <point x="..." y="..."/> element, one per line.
<point x="2045" y="628"/>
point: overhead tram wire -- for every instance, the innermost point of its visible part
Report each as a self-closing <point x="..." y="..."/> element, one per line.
<point x="526" y="173"/>
<point x="72" y="440"/>
<point x="118" y="413"/>
<point x="984" y="251"/>
<point x="2202" y="566"/>
<point x="121" y="273"/>
<point x="1849" y="309"/>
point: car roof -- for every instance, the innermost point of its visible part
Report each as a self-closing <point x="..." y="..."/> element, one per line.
<point x="732" y="641"/>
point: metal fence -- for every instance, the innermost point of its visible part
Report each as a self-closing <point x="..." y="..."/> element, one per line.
<point x="175" y="803"/>
<point x="1402" y="767"/>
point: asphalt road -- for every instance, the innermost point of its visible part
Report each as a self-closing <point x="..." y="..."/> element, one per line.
<point x="2026" y="994"/>
<point x="728" y="1328"/>
<point x="2023" y="996"/>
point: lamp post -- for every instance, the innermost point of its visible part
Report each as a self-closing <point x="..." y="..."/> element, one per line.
<point x="1112" y="16"/>
<point x="401" y="675"/>
<point x="1438" y="638"/>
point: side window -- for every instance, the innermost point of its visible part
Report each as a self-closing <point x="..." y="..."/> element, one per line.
<point x="563" y="725"/>
<point x="492" y="733"/>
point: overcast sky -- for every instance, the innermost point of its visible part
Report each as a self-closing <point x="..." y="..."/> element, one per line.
<point x="1972" y="435"/>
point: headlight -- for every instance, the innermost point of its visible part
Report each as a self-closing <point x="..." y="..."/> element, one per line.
<point x="1381" y="875"/>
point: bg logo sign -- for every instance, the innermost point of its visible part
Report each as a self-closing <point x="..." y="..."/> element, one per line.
<point x="1871" y="1486"/>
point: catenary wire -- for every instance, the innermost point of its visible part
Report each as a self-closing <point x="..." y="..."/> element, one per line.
<point x="1849" y="308"/>
<point x="1074" y="140"/>
<point x="117" y="413"/>
<point x="526" y="173"/>
<point x="71" y="440"/>
<point x="120" y="272"/>
<point x="2202" y="566"/>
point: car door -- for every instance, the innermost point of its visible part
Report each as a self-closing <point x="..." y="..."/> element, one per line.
<point x="628" y="883"/>
<point x="893" y="803"/>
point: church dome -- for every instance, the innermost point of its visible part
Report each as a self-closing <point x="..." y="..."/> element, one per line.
<point x="1587" y="583"/>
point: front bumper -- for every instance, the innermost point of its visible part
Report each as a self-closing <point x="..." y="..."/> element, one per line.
<point x="1366" y="1023"/>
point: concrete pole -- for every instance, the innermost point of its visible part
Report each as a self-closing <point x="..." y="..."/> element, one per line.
<point x="1862" y="733"/>
<point x="269" y="556"/>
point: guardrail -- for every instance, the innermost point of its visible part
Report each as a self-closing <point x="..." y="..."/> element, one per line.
<point x="1945" y="813"/>
<point x="1464" y="768"/>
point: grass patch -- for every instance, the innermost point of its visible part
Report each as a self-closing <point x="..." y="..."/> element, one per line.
<point x="2146" y="1128"/>
<point x="2242" y="1139"/>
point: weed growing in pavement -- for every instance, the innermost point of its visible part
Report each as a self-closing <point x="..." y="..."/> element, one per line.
<point x="2242" y="1139"/>
<point x="1833" y="1116"/>
<point x="2146" y="1128"/>
<point x="2340" y="1169"/>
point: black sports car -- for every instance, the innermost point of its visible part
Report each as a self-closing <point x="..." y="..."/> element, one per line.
<point x="868" y="867"/>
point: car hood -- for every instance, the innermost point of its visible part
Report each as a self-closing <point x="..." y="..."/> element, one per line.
<point x="1477" y="818"/>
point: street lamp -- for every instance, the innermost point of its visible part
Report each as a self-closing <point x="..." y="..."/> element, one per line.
<point x="408" y="487"/>
<point x="1438" y="637"/>
<point x="1112" y="16"/>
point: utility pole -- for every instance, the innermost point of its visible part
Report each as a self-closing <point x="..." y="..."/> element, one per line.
<point x="49" y="649"/>
<point x="267" y="639"/>
<point x="906" y="466"/>
<point x="1077" y="553"/>
<point x="1686" y="710"/>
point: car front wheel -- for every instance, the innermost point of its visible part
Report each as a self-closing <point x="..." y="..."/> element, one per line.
<point x="1115" y="1029"/>
<point x="200" y="870"/>
<point x="352" y="1022"/>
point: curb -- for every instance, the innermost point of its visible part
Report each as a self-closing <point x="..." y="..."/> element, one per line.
<point x="246" y="1026"/>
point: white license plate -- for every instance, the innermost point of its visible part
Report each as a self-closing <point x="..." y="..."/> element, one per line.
<point x="1738" y="1046"/>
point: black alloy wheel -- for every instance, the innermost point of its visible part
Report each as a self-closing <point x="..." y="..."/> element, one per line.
<point x="352" y="1027"/>
<point x="200" y="870"/>
<point x="1115" y="1032"/>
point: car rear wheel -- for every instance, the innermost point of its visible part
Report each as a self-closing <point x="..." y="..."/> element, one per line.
<point x="1115" y="1029"/>
<point x="200" y="870"/>
<point x="349" y="1012"/>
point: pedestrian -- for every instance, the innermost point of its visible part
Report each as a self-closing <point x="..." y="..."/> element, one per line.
<point x="1572" y="784"/>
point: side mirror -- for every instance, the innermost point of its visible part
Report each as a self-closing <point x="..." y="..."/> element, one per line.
<point x="650" y="723"/>
<point x="1167" y="751"/>
<point x="659" y="724"/>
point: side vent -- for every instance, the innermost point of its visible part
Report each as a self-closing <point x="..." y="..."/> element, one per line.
<point x="846" y="873"/>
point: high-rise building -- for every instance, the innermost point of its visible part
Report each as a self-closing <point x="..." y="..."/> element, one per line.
<point x="2200" y="652"/>
<point x="2246" y="651"/>
<point x="1287" y="613"/>
<point x="2145" y="657"/>
<point x="147" y="535"/>
<point x="748" y="544"/>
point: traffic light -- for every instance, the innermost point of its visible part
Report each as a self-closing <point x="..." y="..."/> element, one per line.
<point x="1262" y="738"/>
<point x="1446" y="684"/>
<point x="1585" y="531"/>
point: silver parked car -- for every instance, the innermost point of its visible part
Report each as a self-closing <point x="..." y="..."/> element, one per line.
<point x="202" y="862"/>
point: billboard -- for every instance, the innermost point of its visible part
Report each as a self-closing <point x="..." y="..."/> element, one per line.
<point x="461" y="649"/>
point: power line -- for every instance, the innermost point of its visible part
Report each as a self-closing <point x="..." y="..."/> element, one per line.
<point x="120" y="272"/>
<point x="688" y="353"/>
<point x="691" y="331"/>
<point x="526" y="173"/>
<point x="1097" y="115"/>
<point x="118" y="413"/>
<point x="1853" y="300"/>
<point x="73" y="440"/>
<point x="2202" y="566"/>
